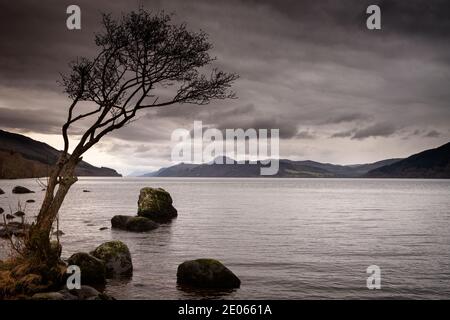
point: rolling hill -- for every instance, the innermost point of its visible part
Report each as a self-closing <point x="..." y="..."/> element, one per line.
<point x="430" y="164"/>
<point x="23" y="157"/>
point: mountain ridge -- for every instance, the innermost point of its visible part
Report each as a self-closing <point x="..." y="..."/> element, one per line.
<point x="287" y="169"/>
<point x="429" y="164"/>
<point x="432" y="163"/>
<point x="24" y="157"/>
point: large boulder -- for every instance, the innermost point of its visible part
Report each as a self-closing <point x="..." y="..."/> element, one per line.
<point x="207" y="273"/>
<point x="117" y="259"/>
<point x="21" y="190"/>
<point x="135" y="224"/>
<point x="93" y="270"/>
<point x="156" y="204"/>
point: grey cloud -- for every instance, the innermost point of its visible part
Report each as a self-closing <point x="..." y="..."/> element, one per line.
<point x="432" y="134"/>
<point x="343" y="134"/>
<point x="30" y="120"/>
<point x="375" y="130"/>
<point x="305" y="135"/>
<point x="303" y="64"/>
<point x="346" y="117"/>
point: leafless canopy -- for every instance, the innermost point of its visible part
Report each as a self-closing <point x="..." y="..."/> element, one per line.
<point x="144" y="62"/>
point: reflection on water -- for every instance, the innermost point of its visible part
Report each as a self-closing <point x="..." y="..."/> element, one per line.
<point x="284" y="238"/>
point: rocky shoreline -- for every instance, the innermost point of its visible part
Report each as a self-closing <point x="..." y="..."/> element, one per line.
<point x="113" y="259"/>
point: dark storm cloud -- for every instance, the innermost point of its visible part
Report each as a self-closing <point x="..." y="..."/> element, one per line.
<point x="26" y="120"/>
<point x="343" y="134"/>
<point x="310" y="68"/>
<point x="376" y="130"/>
<point x="348" y="117"/>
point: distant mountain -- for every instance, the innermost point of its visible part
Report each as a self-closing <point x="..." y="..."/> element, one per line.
<point x="433" y="163"/>
<point x="348" y="171"/>
<point x="287" y="169"/>
<point x="23" y="157"/>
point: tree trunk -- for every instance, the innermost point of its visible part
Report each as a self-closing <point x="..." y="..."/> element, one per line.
<point x="38" y="242"/>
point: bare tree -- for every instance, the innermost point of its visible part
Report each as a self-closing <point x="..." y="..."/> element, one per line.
<point x="144" y="61"/>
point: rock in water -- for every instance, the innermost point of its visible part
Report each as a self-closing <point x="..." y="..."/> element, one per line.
<point x="207" y="273"/>
<point x="156" y="204"/>
<point x="48" y="296"/>
<point x="120" y="222"/>
<point x="117" y="259"/>
<point x="31" y="201"/>
<point x="1" y="191"/>
<point x="140" y="224"/>
<point x="21" y="190"/>
<point x="93" y="270"/>
<point x="135" y="224"/>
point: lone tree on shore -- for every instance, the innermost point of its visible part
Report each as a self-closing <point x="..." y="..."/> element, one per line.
<point x="144" y="61"/>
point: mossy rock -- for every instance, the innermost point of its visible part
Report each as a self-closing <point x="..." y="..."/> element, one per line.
<point x="93" y="270"/>
<point x="207" y="273"/>
<point x="140" y="224"/>
<point x="156" y="204"/>
<point x="120" y="222"/>
<point x="117" y="259"/>
<point x="134" y="224"/>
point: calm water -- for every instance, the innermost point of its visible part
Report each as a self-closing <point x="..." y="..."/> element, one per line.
<point x="284" y="238"/>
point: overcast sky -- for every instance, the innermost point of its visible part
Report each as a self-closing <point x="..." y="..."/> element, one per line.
<point x="338" y="92"/>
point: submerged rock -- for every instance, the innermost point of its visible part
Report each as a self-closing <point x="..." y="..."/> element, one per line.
<point x="31" y="201"/>
<point x="207" y="273"/>
<point x="21" y="190"/>
<point x="93" y="270"/>
<point x="156" y="204"/>
<point x="48" y="296"/>
<point x="103" y="228"/>
<point x="19" y="214"/>
<point x="89" y="293"/>
<point x="84" y="293"/>
<point x="120" y="222"/>
<point x="117" y="258"/>
<point x="140" y="224"/>
<point x="135" y="224"/>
